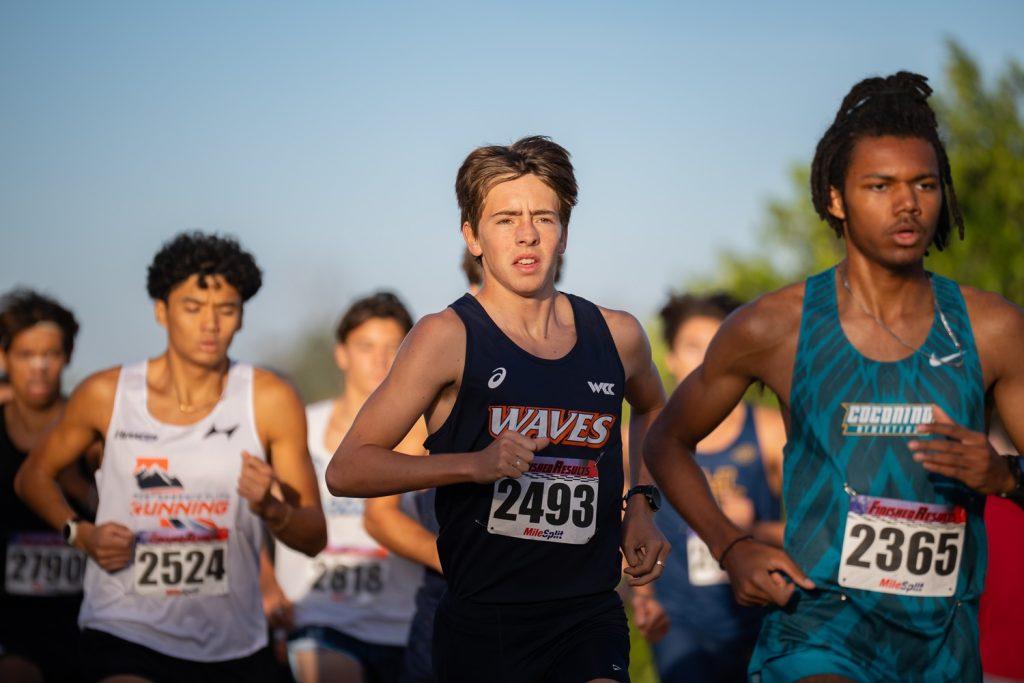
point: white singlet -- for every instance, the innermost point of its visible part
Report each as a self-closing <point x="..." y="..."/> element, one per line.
<point x="192" y="590"/>
<point x="354" y="585"/>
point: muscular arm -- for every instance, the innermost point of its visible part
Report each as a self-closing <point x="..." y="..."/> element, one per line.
<point x="296" y="518"/>
<point x="390" y="526"/>
<point x="756" y="342"/>
<point x="643" y="545"/>
<point x="771" y="436"/>
<point x="999" y="342"/>
<point x="429" y="362"/>
<point x="643" y="390"/>
<point x="83" y="423"/>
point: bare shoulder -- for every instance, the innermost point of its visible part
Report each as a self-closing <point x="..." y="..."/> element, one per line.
<point x="436" y="344"/>
<point x="768" y="320"/>
<point x="92" y="402"/>
<point x="271" y="388"/>
<point x="627" y="332"/>
<point x="771" y="428"/>
<point x="441" y="328"/>
<point x="998" y="327"/>
<point x="992" y="315"/>
<point x="100" y="386"/>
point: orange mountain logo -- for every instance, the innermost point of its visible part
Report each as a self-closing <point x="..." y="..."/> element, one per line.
<point x="151" y="473"/>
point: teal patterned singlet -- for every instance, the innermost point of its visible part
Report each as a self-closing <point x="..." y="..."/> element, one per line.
<point x="857" y="505"/>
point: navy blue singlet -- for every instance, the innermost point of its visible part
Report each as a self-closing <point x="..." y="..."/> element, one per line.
<point x="553" y="533"/>
<point x="706" y="604"/>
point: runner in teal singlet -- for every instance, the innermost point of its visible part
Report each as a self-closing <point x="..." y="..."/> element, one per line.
<point x="884" y="371"/>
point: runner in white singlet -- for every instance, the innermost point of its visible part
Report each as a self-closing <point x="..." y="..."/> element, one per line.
<point x="353" y="603"/>
<point x="198" y="452"/>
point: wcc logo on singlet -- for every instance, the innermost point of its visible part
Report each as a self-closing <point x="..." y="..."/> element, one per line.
<point x="885" y="419"/>
<point x="568" y="427"/>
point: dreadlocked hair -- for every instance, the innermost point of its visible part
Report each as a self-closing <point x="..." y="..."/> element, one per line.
<point x="896" y="105"/>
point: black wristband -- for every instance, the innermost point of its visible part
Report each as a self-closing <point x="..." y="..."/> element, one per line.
<point x="721" y="559"/>
<point x="1017" y="494"/>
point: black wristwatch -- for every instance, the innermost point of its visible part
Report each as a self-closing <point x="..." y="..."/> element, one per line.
<point x="1017" y="493"/>
<point x="649" y="491"/>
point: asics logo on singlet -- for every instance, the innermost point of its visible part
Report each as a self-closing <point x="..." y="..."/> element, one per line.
<point x="568" y="427"/>
<point x="885" y="419"/>
<point x="497" y="378"/>
<point x="151" y="473"/>
<point x="137" y="436"/>
<point x="602" y="388"/>
<point x="229" y="432"/>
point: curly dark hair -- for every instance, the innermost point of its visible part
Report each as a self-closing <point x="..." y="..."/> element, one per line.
<point x="380" y="305"/>
<point x="682" y="307"/>
<point x="20" y="309"/>
<point x="202" y="254"/>
<point x="896" y="105"/>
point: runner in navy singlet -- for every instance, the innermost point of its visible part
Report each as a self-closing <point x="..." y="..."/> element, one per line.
<point x="709" y="637"/>
<point x="522" y="388"/>
<point x="42" y="585"/>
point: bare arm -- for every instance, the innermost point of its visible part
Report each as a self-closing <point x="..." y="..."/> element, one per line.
<point x="771" y="437"/>
<point x="753" y="337"/>
<point x="643" y="545"/>
<point x="294" y="515"/>
<point x="965" y="454"/>
<point x="390" y="526"/>
<point x="83" y="423"/>
<point x="429" y="362"/>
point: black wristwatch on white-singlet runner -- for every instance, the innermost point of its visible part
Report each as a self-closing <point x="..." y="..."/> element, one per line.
<point x="649" y="491"/>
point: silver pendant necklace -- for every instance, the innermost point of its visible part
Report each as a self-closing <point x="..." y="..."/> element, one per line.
<point x="954" y="359"/>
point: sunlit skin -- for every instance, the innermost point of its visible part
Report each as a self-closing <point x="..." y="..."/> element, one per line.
<point x="890" y="207"/>
<point x="35" y="361"/>
<point x="890" y="202"/>
<point x="364" y="358"/>
<point x="519" y="223"/>
<point x="201" y="322"/>
<point x="688" y="348"/>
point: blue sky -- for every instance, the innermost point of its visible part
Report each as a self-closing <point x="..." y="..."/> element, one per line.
<point x="326" y="136"/>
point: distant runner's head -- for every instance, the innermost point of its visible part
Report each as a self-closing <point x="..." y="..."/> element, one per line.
<point x="37" y="336"/>
<point x="688" y="323"/>
<point x="368" y="336"/>
<point x="515" y="205"/>
<point x="880" y="174"/>
<point x="199" y="283"/>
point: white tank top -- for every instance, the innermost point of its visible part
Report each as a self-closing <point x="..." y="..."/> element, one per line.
<point x="354" y="585"/>
<point x="192" y="590"/>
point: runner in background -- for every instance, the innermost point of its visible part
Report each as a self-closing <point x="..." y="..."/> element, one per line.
<point x="699" y="632"/>
<point x="199" y="452"/>
<point x="353" y="603"/>
<point x="42" y="588"/>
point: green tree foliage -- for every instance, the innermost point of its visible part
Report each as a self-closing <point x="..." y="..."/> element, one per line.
<point x="308" y="363"/>
<point x="985" y="140"/>
<point x="984" y="135"/>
